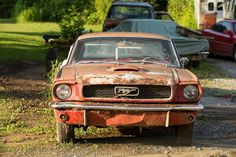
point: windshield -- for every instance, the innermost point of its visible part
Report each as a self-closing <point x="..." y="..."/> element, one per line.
<point x="130" y="12"/>
<point x="125" y="50"/>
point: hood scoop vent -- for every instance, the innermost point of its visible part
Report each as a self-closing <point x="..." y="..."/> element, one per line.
<point x="135" y="69"/>
<point x="126" y="69"/>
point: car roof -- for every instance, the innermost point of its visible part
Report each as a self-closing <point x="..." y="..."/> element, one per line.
<point x="123" y="34"/>
<point x="131" y="3"/>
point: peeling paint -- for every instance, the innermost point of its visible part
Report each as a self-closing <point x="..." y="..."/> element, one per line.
<point x="130" y="76"/>
<point x="127" y="78"/>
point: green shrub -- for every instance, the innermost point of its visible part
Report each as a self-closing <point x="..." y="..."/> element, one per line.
<point x="72" y="24"/>
<point x="101" y="8"/>
<point x="48" y="10"/>
<point x="29" y="15"/>
<point x="93" y="19"/>
<point x="182" y="12"/>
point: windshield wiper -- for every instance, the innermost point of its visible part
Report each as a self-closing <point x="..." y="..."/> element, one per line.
<point x="146" y="62"/>
<point x="87" y="62"/>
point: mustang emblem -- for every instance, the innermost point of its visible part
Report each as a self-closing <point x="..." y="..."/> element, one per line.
<point x="126" y="91"/>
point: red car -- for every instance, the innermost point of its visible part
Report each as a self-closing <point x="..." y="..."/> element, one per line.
<point x="125" y="79"/>
<point x="222" y="38"/>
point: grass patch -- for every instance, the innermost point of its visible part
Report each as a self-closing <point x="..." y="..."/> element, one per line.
<point x="7" y="20"/>
<point x="206" y="70"/>
<point x="23" y="41"/>
<point x="214" y="80"/>
<point x="18" y="118"/>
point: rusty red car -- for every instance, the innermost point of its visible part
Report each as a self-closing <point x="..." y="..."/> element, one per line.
<point x="125" y="80"/>
<point x="222" y="38"/>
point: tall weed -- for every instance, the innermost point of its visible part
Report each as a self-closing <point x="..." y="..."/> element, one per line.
<point x="51" y="75"/>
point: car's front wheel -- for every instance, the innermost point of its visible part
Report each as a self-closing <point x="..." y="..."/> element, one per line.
<point x="65" y="133"/>
<point x="184" y="134"/>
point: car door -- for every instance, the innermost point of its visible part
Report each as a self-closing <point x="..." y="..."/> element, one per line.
<point x="225" y="40"/>
<point x="222" y="43"/>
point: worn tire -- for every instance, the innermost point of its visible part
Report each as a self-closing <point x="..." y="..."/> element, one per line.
<point x="210" y="55"/>
<point x="234" y="54"/>
<point x="65" y="133"/>
<point x="184" y="134"/>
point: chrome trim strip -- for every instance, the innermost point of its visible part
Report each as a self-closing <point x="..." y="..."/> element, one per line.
<point x="184" y="107"/>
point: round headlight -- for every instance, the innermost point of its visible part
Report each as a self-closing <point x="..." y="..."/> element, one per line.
<point x="63" y="91"/>
<point x="190" y="92"/>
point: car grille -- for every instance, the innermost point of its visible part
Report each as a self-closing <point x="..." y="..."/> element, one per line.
<point x="145" y="91"/>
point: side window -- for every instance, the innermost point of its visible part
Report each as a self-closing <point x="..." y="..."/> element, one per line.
<point x="219" y="6"/>
<point x="211" y="6"/>
<point x="227" y="25"/>
<point x="219" y="27"/>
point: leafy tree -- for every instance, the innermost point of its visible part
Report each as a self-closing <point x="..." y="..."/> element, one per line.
<point x="182" y="12"/>
<point x="100" y="10"/>
<point x="229" y="9"/>
<point x="48" y="10"/>
<point x="6" y="7"/>
<point x="72" y="24"/>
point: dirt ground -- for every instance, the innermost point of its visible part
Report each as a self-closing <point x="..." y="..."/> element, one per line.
<point x="214" y="133"/>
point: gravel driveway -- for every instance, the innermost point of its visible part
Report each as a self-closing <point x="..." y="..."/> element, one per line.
<point x="214" y="135"/>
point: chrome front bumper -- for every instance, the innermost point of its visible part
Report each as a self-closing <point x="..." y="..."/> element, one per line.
<point x="182" y="107"/>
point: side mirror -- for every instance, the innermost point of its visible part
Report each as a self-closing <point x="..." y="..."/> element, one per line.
<point x="228" y="32"/>
<point x="184" y="61"/>
<point x="63" y="63"/>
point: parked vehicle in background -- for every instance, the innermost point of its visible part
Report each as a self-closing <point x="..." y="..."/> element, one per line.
<point x="222" y="38"/>
<point x="121" y="10"/>
<point x="125" y="80"/>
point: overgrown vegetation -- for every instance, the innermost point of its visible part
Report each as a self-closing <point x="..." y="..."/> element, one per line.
<point x="99" y="11"/>
<point x="51" y="75"/>
<point x="182" y="12"/>
<point x="72" y="24"/>
<point x="47" y="10"/>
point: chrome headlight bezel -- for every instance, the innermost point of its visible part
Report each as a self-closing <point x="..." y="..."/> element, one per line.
<point x="63" y="91"/>
<point x="190" y="92"/>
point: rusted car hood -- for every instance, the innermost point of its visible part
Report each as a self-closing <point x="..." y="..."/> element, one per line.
<point x="130" y="74"/>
